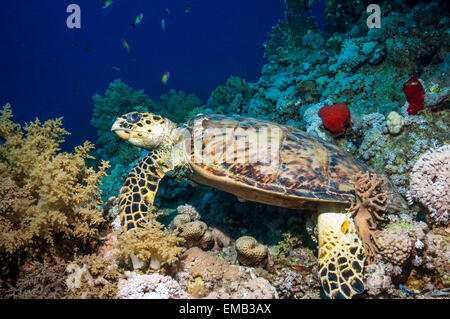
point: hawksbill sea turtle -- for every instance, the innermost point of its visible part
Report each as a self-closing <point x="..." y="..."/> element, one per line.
<point x="258" y="161"/>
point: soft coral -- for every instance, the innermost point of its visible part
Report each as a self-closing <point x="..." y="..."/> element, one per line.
<point x="415" y="94"/>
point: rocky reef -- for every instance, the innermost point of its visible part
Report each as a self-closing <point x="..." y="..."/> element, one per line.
<point x="380" y="94"/>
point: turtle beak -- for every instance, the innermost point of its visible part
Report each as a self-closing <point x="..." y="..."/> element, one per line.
<point x="122" y="132"/>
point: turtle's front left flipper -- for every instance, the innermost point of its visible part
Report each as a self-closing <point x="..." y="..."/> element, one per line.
<point x="341" y="254"/>
<point x="139" y="190"/>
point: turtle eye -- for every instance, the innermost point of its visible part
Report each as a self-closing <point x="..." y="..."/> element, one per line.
<point x="134" y="117"/>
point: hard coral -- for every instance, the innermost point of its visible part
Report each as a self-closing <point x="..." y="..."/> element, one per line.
<point x="48" y="198"/>
<point x="429" y="183"/>
<point x="154" y="286"/>
<point x="395" y="123"/>
<point x="335" y="117"/>
<point x="205" y="275"/>
<point x="250" y="252"/>
<point x="415" y="94"/>
<point x="395" y="245"/>
<point x="195" y="232"/>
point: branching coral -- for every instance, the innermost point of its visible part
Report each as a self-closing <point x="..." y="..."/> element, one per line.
<point x="369" y="201"/>
<point x="40" y="281"/>
<point x="429" y="182"/>
<point x="48" y="198"/>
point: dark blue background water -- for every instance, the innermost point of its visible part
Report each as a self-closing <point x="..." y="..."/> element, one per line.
<point x="48" y="70"/>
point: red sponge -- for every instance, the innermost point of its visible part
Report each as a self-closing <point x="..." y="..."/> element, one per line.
<point x="335" y="117"/>
<point x="414" y="95"/>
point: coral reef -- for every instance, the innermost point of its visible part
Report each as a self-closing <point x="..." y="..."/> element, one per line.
<point x="380" y="94"/>
<point x="430" y="183"/>
<point x="205" y="275"/>
<point x="294" y="269"/>
<point x="49" y="199"/>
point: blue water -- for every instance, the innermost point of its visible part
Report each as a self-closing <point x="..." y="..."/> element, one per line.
<point x="49" y="71"/>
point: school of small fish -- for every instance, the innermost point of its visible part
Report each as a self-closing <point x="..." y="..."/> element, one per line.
<point x="165" y="77"/>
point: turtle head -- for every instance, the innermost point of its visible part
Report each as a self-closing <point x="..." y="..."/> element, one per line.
<point x="142" y="129"/>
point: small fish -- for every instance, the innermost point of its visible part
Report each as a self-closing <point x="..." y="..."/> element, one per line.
<point x="138" y="19"/>
<point x="168" y="11"/>
<point x="126" y="46"/>
<point x="107" y="3"/>
<point x="163" y="25"/>
<point x="165" y="78"/>
<point x="116" y="68"/>
<point x="302" y="268"/>
<point x="298" y="267"/>
<point x="188" y="9"/>
<point x="408" y="293"/>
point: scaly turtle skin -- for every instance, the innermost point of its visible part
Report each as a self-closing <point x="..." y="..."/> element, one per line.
<point x="258" y="161"/>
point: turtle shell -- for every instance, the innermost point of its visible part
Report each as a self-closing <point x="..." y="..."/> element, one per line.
<point x="269" y="163"/>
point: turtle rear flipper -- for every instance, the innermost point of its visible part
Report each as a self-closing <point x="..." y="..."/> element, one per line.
<point x="139" y="190"/>
<point x="341" y="256"/>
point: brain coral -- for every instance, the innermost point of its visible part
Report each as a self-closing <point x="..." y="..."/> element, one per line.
<point x="430" y="182"/>
<point x="250" y="252"/>
<point x="195" y="232"/>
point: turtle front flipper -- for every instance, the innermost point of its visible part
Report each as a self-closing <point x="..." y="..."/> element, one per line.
<point x="341" y="254"/>
<point x="139" y="190"/>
